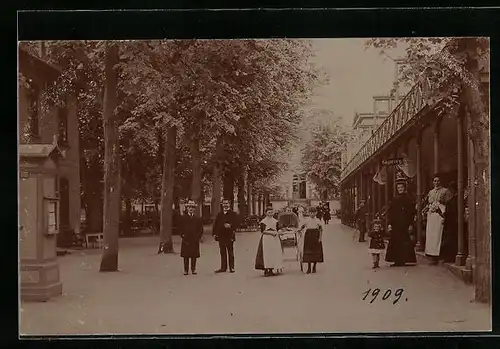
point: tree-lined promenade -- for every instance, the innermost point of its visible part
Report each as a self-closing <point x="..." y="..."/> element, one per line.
<point x="179" y="119"/>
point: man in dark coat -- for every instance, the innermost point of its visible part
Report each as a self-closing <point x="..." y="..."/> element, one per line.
<point x="360" y="219"/>
<point x="191" y="229"/>
<point x="224" y="230"/>
<point x="400" y="215"/>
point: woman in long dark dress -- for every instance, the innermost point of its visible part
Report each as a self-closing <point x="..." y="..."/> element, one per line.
<point x="312" y="246"/>
<point x="401" y="248"/>
<point x="449" y="245"/>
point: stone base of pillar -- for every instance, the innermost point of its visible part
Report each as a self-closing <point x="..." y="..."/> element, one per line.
<point x="460" y="260"/>
<point x="40" y="281"/>
<point x="469" y="262"/>
<point x="41" y="294"/>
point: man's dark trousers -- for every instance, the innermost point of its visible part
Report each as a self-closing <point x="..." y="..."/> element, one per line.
<point x="226" y="251"/>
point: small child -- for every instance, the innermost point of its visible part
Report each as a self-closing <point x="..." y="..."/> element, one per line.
<point x="377" y="244"/>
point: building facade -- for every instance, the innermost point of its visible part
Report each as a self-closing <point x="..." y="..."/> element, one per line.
<point x="40" y="122"/>
<point x="420" y="139"/>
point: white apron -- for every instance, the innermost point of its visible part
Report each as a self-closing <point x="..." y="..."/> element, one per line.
<point x="271" y="247"/>
<point x="434" y="232"/>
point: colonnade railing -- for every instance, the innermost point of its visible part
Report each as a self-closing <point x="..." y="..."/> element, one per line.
<point x="414" y="101"/>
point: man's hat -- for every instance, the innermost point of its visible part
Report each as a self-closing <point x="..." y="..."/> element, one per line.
<point x="376" y="220"/>
<point x="400" y="177"/>
<point x="191" y="203"/>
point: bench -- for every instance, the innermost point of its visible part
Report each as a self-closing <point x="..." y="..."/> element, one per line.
<point x="94" y="239"/>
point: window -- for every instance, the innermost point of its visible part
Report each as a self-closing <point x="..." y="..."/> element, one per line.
<point x="63" y="125"/>
<point x="52" y="225"/>
<point x="33" y="109"/>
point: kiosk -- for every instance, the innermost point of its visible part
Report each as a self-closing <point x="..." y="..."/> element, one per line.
<point x="38" y="221"/>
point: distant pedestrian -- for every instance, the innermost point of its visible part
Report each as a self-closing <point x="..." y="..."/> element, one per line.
<point x="224" y="231"/>
<point x="300" y="213"/>
<point x="377" y="244"/>
<point x="191" y="229"/>
<point x="312" y="245"/>
<point x="269" y="252"/>
<point x="360" y="219"/>
<point x="400" y="216"/>
<point x="319" y="212"/>
<point x="326" y="214"/>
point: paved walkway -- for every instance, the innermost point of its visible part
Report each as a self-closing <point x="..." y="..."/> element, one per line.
<point x="150" y="294"/>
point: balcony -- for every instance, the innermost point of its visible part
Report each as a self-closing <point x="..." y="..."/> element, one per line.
<point x="410" y="106"/>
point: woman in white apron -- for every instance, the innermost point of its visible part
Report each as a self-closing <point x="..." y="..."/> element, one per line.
<point x="269" y="253"/>
<point x="437" y="199"/>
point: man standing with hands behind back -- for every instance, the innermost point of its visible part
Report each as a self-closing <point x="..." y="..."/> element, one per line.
<point x="224" y="232"/>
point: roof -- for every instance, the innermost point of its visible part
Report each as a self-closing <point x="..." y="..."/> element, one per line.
<point x="31" y="65"/>
<point x="38" y="150"/>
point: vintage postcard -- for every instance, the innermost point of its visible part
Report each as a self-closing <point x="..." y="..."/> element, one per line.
<point x="246" y="186"/>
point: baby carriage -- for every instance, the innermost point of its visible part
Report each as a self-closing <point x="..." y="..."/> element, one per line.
<point x="288" y="223"/>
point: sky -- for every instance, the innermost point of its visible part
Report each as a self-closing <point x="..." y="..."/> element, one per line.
<point x="355" y="75"/>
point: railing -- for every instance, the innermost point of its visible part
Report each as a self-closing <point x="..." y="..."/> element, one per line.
<point x="414" y="101"/>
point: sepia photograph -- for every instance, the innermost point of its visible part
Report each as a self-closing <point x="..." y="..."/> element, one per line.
<point x="254" y="186"/>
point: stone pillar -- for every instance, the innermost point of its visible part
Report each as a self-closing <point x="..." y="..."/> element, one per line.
<point x="342" y="203"/>
<point x="471" y="224"/>
<point x="373" y="205"/>
<point x="394" y="170"/>
<point x="379" y="196"/>
<point x="386" y="194"/>
<point x="353" y="197"/>
<point x="362" y="195"/>
<point x="420" y="236"/>
<point x="460" y="259"/>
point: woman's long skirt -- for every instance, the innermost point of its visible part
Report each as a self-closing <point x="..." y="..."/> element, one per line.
<point x="269" y="253"/>
<point x="312" y="247"/>
<point x="433" y="234"/>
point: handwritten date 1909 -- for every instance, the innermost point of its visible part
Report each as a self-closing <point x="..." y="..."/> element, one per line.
<point x="375" y="293"/>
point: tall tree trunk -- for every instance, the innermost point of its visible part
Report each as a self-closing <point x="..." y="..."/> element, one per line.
<point x="241" y="193"/>
<point x="216" y="190"/>
<point x="249" y="193"/>
<point x="94" y="211"/>
<point x="229" y="186"/>
<point x="267" y="199"/>
<point x="217" y="178"/>
<point x="127" y="219"/>
<point x="194" y="146"/>
<point x="259" y="203"/>
<point x="91" y="177"/>
<point x="254" y="206"/>
<point x="167" y="193"/>
<point x="479" y="114"/>
<point x="112" y="182"/>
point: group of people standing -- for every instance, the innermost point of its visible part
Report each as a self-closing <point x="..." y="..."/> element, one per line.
<point x="269" y="251"/>
<point x="401" y="217"/>
<point x="224" y="231"/>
